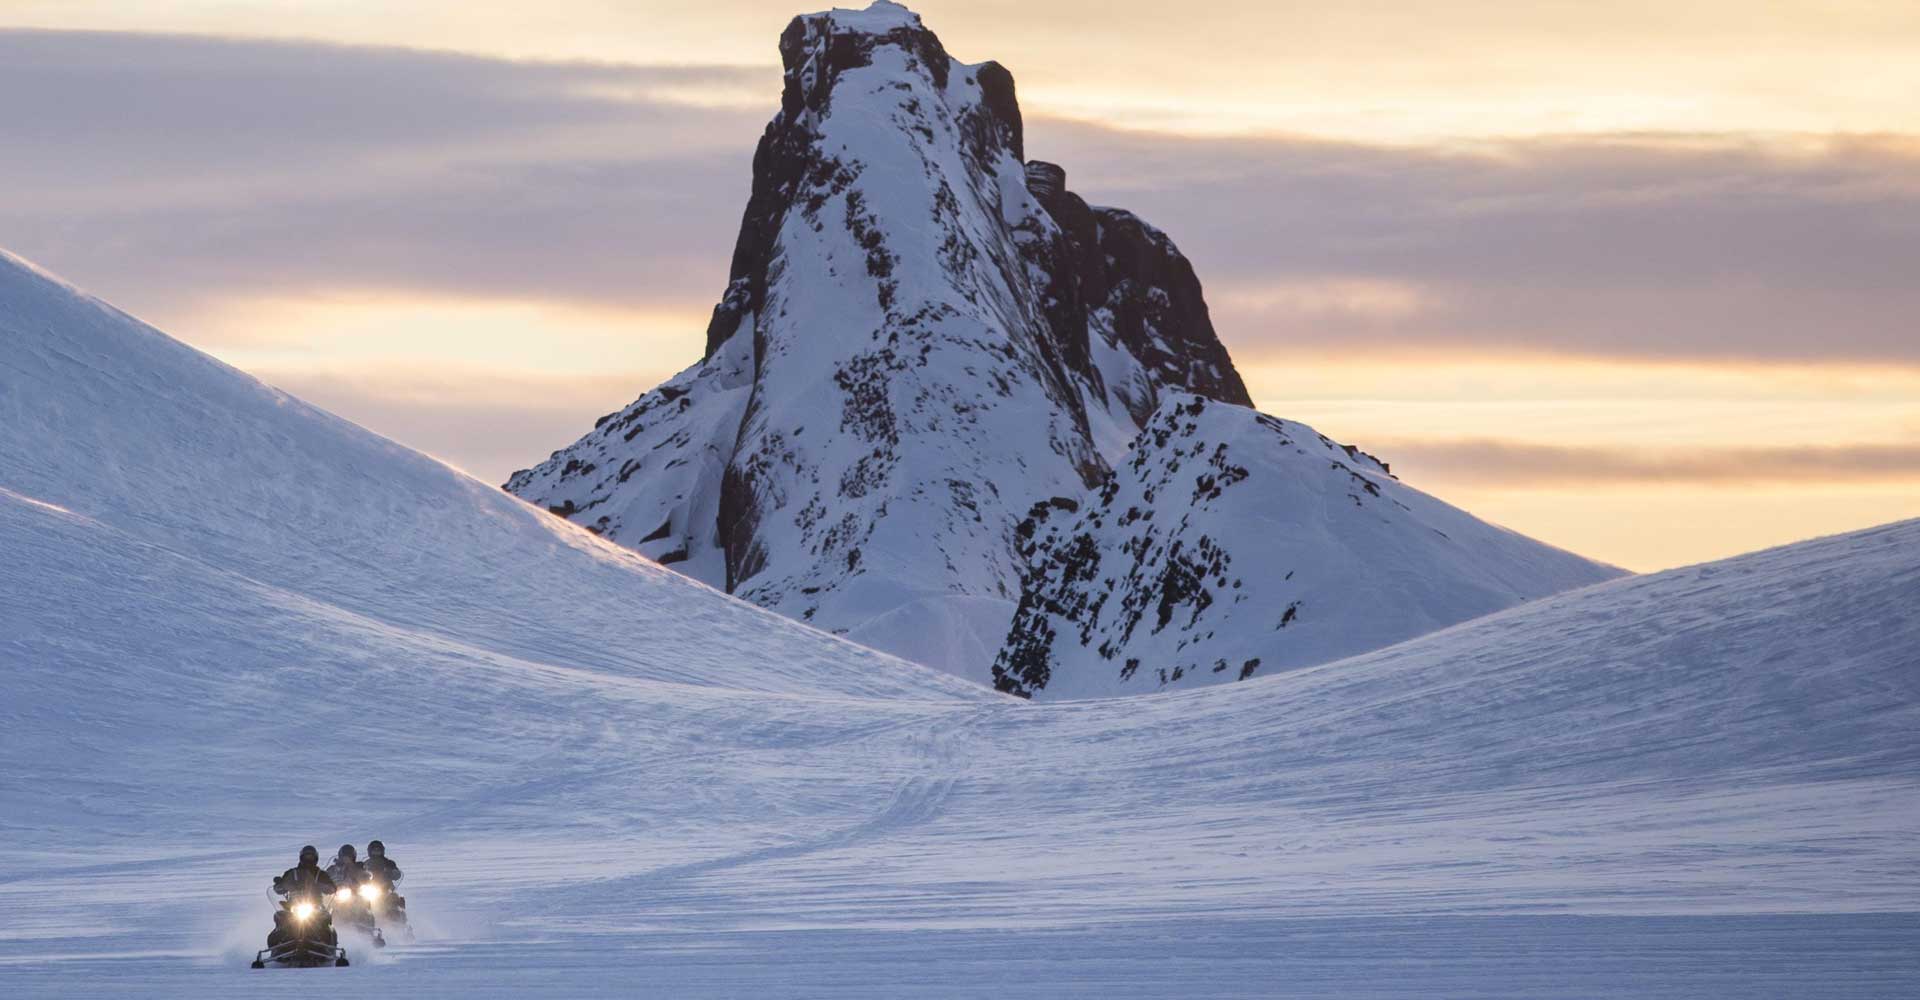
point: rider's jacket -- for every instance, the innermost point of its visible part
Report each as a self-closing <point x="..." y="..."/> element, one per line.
<point x="383" y="868"/>
<point x="347" y="872"/>
<point x="302" y="880"/>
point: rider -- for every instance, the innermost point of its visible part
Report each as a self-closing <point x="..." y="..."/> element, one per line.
<point x="381" y="867"/>
<point x="378" y="864"/>
<point x="303" y="879"/>
<point x="345" y="869"/>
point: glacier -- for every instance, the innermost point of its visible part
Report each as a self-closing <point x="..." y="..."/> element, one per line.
<point x="231" y="624"/>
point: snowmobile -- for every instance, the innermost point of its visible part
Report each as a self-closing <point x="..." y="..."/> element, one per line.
<point x="377" y="895"/>
<point x="303" y="936"/>
<point x="355" y="906"/>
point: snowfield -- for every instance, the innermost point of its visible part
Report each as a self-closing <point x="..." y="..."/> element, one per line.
<point x="231" y="624"/>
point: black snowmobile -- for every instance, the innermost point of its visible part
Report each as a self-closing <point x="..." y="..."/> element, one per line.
<point x="377" y="895"/>
<point x="354" y="895"/>
<point x="377" y="880"/>
<point x="303" y="936"/>
<point x="355" y="905"/>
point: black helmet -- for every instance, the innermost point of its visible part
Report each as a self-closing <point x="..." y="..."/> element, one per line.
<point x="309" y="855"/>
<point x="376" y="849"/>
<point x="347" y="851"/>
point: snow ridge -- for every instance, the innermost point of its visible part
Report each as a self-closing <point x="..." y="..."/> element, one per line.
<point x="166" y="457"/>
<point x="1232" y="543"/>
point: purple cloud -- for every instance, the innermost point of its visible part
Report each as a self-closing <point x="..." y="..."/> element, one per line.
<point x="165" y="171"/>
<point x="1514" y="464"/>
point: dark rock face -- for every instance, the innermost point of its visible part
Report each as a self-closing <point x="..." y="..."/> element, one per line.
<point x="1001" y="109"/>
<point x="1112" y="275"/>
<point x="916" y="336"/>
<point x="1151" y="290"/>
<point x="1228" y="543"/>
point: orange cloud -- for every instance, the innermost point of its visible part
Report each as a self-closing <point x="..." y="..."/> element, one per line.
<point x="1491" y="463"/>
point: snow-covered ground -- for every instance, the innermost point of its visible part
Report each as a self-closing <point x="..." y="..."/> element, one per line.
<point x="231" y="624"/>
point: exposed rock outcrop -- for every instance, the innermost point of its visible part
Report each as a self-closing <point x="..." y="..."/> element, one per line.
<point x="1230" y="544"/>
<point x="921" y="334"/>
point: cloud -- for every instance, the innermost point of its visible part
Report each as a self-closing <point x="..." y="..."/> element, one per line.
<point x="1509" y="464"/>
<point x="1733" y="247"/>
<point x="170" y="172"/>
<point x="164" y="171"/>
<point x="132" y="122"/>
<point x="1362" y="68"/>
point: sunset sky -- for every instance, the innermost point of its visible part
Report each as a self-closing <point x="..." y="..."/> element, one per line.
<point x="1640" y="279"/>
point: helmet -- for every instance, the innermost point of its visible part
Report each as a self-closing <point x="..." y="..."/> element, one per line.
<point x="376" y="849"/>
<point x="309" y="855"/>
<point x="347" y="851"/>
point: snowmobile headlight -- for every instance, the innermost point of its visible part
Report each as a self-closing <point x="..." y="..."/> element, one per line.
<point x="345" y="895"/>
<point x="302" y="911"/>
<point x="369" y="892"/>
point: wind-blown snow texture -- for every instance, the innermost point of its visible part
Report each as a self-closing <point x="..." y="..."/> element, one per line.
<point x="1230" y="543"/>
<point x="231" y="624"/>
<point x="154" y="446"/>
<point x="923" y="334"/>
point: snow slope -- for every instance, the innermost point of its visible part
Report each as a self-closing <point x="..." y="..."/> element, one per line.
<point x="1230" y="543"/>
<point x="922" y="334"/>
<point x="231" y="624"/>
<point x="159" y="446"/>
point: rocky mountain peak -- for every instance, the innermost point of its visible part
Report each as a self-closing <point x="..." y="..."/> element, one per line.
<point x="818" y="51"/>
<point x="817" y="48"/>
<point x="921" y="335"/>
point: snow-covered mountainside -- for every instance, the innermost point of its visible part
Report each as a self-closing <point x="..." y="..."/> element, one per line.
<point x="163" y="457"/>
<point x="231" y="624"/>
<point x="923" y="333"/>
<point x="1229" y="543"/>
